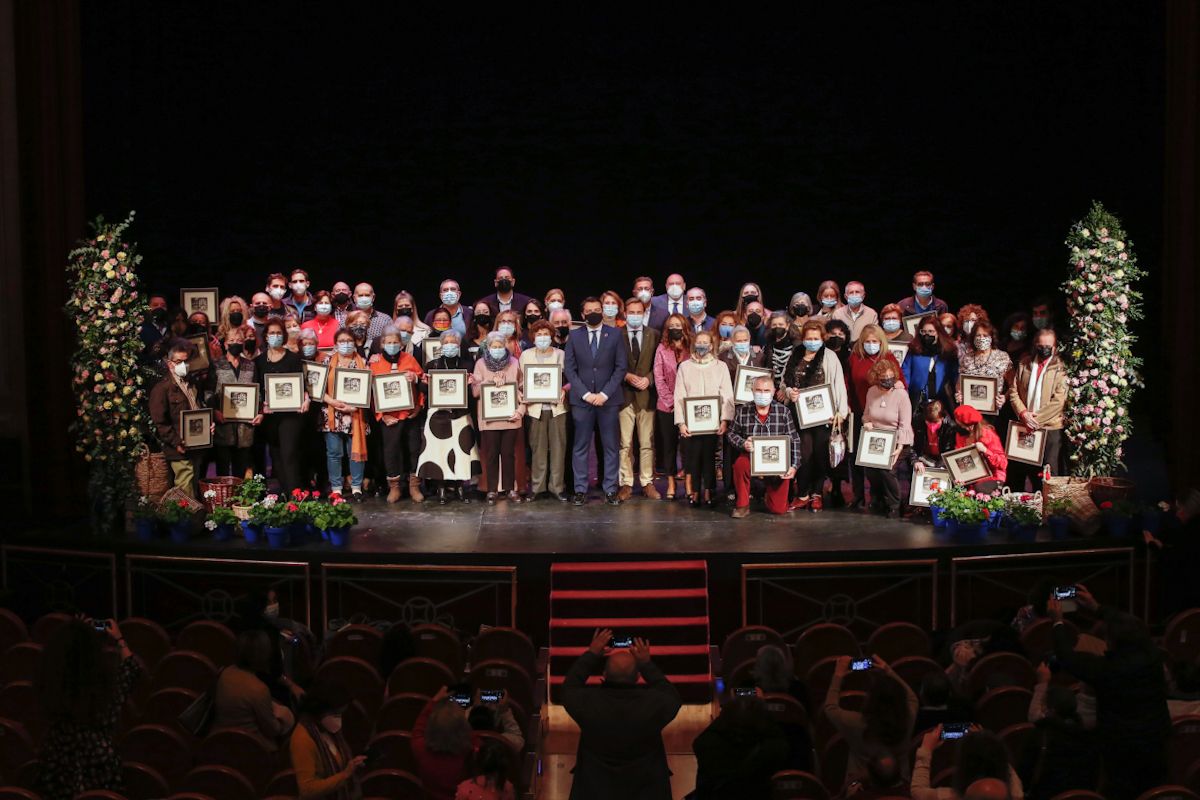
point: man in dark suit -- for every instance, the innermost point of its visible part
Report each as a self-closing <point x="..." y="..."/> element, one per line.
<point x="172" y="395"/>
<point x="655" y="315"/>
<point x="505" y="298"/>
<point x="672" y="302"/>
<point x="595" y="368"/>
<point x="697" y="311"/>
<point x="637" y="407"/>
<point x="621" y="752"/>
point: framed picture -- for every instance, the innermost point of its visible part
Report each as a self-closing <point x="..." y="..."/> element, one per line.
<point x="926" y="483"/>
<point x="543" y="383"/>
<point x="848" y="431"/>
<point x="200" y="360"/>
<point x="239" y="402"/>
<point x="702" y="414"/>
<point x="899" y="350"/>
<point x="1025" y="445"/>
<point x="497" y="402"/>
<point x="743" y="382"/>
<point x="352" y="387"/>
<point x="979" y="392"/>
<point x="393" y="392"/>
<point x="206" y="300"/>
<point x="447" y="388"/>
<point x="911" y="323"/>
<point x="966" y="465"/>
<point x="196" y="428"/>
<point x="431" y="349"/>
<point x="316" y="376"/>
<point x="285" y="391"/>
<point x="875" y="448"/>
<point x="814" y="406"/>
<point x="770" y="456"/>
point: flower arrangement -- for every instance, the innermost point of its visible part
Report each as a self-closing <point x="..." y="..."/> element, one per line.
<point x="1022" y="513"/>
<point x="965" y="505"/>
<point x="221" y="515"/>
<point x="1058" y="507"/>
<point x="1101" y="302"/>
<point x="250" y="491"/>
<point x="271" y="512"/>
<point x="174" y="512"/>
<point x="335" y="514"/>
<point x="109" y="380"/>
<point x="145" y="509"/>
<point x="309" y="502"/>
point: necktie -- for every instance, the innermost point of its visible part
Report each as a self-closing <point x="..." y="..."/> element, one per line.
<point x="595" y="343"/>
<point x="675" y="308"/>
<point x="637" y="347"/>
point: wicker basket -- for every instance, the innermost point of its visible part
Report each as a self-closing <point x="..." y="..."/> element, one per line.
<point x="152" y="474"/>
<point x="1084" y="515"/>
<point x="222" y="487"/>
<point x="241" y="512"/>
<point x="177" y="495"/>
<point x="1110" y="490"/>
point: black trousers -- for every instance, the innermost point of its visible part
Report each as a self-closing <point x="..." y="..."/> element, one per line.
<point x="282" y="432"/>
<point x="857" y="473"/>
<point x="669" y="443"/>
<point x="814" y="460"/>
<point x="1018" y="472"/>
<point x="497" y="450"/>
<point x="401" y="446"/>
<point x="699" y="459"/>
<point x="231" y="460"/>
<point x="887" y="487"/>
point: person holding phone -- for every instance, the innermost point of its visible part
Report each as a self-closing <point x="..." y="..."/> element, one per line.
<point x="982" y="768"/>
<point x="490" y="711"/>
<point x="443" y="744"/>
<point x="324" y="764"/>
<point x="883" y="725"/>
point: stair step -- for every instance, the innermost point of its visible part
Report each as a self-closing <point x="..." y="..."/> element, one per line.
<point x="624" y="623"/>
<point x="655" y="652"/>
<point x="625" y="594"/>
<point x="627" y="566"/>
<point x="594" y="680"/>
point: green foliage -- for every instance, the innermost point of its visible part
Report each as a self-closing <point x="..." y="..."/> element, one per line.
<point x="1021" y="513"/>
<point x="174" y="511"/>
<point x="250" y="491"/>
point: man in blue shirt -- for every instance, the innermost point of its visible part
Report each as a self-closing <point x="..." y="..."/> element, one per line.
<point x="922" y="300"/>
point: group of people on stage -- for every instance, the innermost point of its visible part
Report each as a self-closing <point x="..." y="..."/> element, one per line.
<point x="630" y="362"/>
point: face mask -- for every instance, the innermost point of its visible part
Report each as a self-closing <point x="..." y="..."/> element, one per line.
<point x="195" y="328"/>
<point x="812" y="346"/>
<point x="277" y="292"/>
<point x="449" y="297"/>
<point x="159" y="315"/>
<point x="310" y="350"/>
<point x="968" y="326"/>
<point x="531" y="318"/>
<point x="404" y="311"/>
<point x="725" y="330"/>
<point x="753" y="320"/>
<point x="261" y="312"/>
<point x="924" y="291"/>
<point x="332" y="723"/>
<point x="1041" y="322"/>
<point x="1044" y="351"/>
<point x="871" y="348"/>
<point x="441" y="326"/>
<point x="235" y="349"/>
<point x="554" y="305"/>
<point x="405" y="336"/>
<point x="506" y="329"/>
<point x="983" y="342"/>
<point x="887" y="383"/>
<point x="504" y="285"/>
<point x="779" y="333"/>
<point x="392" y="348"/>
<point x="829" y="302"/>
<point x="854" y="299"/>
<point x="324" y="308"/>
<point x="741" y="348"/>
<point x="359" y="331"/>
<point x="180" y="369"/>
<point x="345" y="348"/>
<point x="644" y="295"/>
<point x="674" y="334"/>
<point x="484" y="320"/>
<point x="364" y="302"/>
<point x="593" y="318"/>
<point x="835" y="342"/>
<point x="674" y="291"/>
<point x="928" y="339"/>
<point x="762" y="399"/>
<point x="695" y="307"/>
<point x="702" y="349"/>
<point x="236" y="318"/>
<point x="749" y="298"/>
<point x="497" y="353"/>
<point x="450" y="350"/>
<point x="299" y="288"/>
<point x="1017" y="334"/>
<point x="274" y="340"/>
<point x="949" y="329"/>
<point x="563" y="331"/>
<point x="891" y="325"/>
<point x="610" y="311"/>
<point x="542" y="341"/>
<point x="634" y="321"/>
<point x="293" y="333"/>
<point x="341" y="298"/>
<point x="800" y="310"/>
<point x="271" y="611"/>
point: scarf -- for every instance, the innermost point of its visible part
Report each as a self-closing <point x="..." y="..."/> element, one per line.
<point x="780" y="356"/>
<point x="358" y="433"/>
<point x="188" y="391"/>
<point x="493" y="364"/>
<point x="1033" y="390"/>
<point x="348" y="790"/>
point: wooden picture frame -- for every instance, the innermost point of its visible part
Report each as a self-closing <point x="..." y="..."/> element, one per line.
<point x="702" y="414"/>
<point x="876" y="447"/>
<point x="899" y="351"/>
<point x="200" y="361"/>
<point x="392" y="392"/>
<point x="316" y="378"/>
<point x="979" y="392"/>
<point x="1025" y="445"/>
<point x="848" y="431"/>
<point x="285" y="391"/>
<point x="967" y="465"/>
<point x="912" y="322"/>
<point x="205" y="300"/>
<point x="926" y="483"/>
<point x="196" y="428"/>
<point x="447" y="388"/>
<point x="239" y="402"/>
<point x="814" y="406"/>
<point x="431" y="348"/>
<point x="770" y="456"/>
<point x="497" y="403"/>
<point x="743" y="380"/>
<point x="352" y="387"/>
<point x="542" y="383"/>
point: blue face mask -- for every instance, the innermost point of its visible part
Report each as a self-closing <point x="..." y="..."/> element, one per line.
<point x="345" y="348"/>
<point x="741" y="348"/>
<point x="812" y="346"/>
<point x="405" y="336"/>
<point x="542" y="341"/>
<point x="275" y="340"/>
<point x="725" y="330"/>
<point x="891" y="325"/>
<point x="854" y="299"/>
<point x="364" y="302"/>
<point x="497" y="353"/>
<point x="634" y="321"/>
<point x="506" y="328"/>
<point x="762" y="399"/>
<point x="829" y="302"/>
<point x="924" y="291"/>
<point x="449" y="297"/>
<point x="695" y="307"/>
<point x="391" y="348"/>
<point x="310" y="350"/>
<point x="450" y="350"/>
<point x="871" y="348"/>
<point x="701" y="349"/>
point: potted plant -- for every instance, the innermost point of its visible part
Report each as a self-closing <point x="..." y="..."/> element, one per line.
<point x="309" y="504"/>
<point x="968" y="515"/>
<point x="938" y="500"/>
<point x="334" y="519"/>
<point x="145" y="519"/>
<point x="1117" y="517"/>
<point x="1026" y="520"/>
<point x="1058" y="518"/>
<point x="178" y="519"/>
<point x="275" y="517"/>
<point x="247" y="494"/>
<point x="221" y="522"/>
<point x="1151" y="517"/>
<point x="995" y="506"/>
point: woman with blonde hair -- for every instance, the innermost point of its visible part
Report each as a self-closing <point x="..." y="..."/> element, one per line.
<point x="405" y="305"/>
<point x="702" y="375"/>
<point x="508" y="325"/>
<point x="345" y="427"/>
<point x="233" y="315"/>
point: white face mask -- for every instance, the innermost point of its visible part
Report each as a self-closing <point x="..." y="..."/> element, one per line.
<point x="364" y="301"/>
<point x="180" y="369"/>
<point x="968" y="326"/>
<point x="332" y="723"/>
<point x="871" y="348"/>
<point x="450" y="297"/>
<point x="644" y="295"/>
<point x="554" y="305"/>
<point x="634" y="321"/>
<point x="277" y="292"/>
<point x="324" y="308"/>
<point x="762" y="399"/>
<point x="674" y="291"/>
<point x="299" y="288"/>
<point x="542" y="341"/>
<point x="610" y="310"/>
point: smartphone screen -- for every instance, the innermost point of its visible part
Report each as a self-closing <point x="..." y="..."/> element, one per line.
<point x="101" y="625"/>
<point x="860" y="665"/>
<point x="491" y="695"/>
<point x="955" y="730"/>
<point x="620" y="642"/>
<point x="1064" y="592"/>
<point x="462" y="698"/>
<point x="745" y="692"/>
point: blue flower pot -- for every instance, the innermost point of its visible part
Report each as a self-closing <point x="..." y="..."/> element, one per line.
<point x="1060" y="527"/>
<point x="181" y="531"/>
<point x="971" y="532"/>
<point x="251" y="531"/>
<point x="338" y="537"/>
<point x="995" y="520"/>
<point x="1024" y="533"/>
<point x="278" y="537"/>
<point x="222" y="532"/>
<point x="938" y="520"/>
<point x="1116" y="526"/>
<point x="146" y="529"/>
<point x="311" y="532"/>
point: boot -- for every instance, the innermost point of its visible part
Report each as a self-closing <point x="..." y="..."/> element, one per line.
<point x="414" y="489"/>
<point x="687" y="486"/>
<point x="394" y="493"/>
<point x="441" y="493"/>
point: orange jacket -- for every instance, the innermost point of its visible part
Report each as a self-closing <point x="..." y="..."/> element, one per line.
<point x="406" y="363"/>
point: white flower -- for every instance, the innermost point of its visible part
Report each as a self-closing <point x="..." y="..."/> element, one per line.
<point x="210" y="494"/>
<point x="211" y="525"/>
<point x="1086" y="233"/>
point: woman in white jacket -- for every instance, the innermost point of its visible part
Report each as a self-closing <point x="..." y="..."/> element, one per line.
<point x="812" y="365"/>
<point x="702" y="375"/>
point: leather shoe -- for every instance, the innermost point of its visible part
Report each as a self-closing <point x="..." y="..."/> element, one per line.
<point x="741" y="512"/>
<point x="532" y="497"/>
<point x="580" y="498"/>
<point x="613" y="499"/>
<point x="561" y="497"/>
<point x="491" y="498"/>
<point x="650" y="492"/>
<point x="514" y="496"/>
<point x="624" y="493"/>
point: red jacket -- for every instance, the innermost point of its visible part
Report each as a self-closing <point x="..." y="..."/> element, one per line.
<point x="995" y="451"/>
<point x="440" y="773"/>
<point x="859" y="367"/>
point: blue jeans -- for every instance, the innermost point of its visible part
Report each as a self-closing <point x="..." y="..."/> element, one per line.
<point x="337" y="446"/>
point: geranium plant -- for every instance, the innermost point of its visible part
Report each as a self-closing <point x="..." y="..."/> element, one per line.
<point x="1021" y="513"/>
<point x="967" y="506"/>
<point x="1058" y="507"/>
<point x="145" y="508"/>
<point x="335" y="514"/>
<point x="1102" y="301"/>
<point x="174" y="511"/>
<point x="250" y="491"/>
<point x="221" y="515"/>
<point x="109" y="379"/>
<point x="272" y="512"/>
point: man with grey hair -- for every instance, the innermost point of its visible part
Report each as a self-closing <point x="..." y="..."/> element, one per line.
<point x="697" y="310"/>
<point x="364" y="300"/>
<point x="766" y="416"/>
<point x="621" y="752"/>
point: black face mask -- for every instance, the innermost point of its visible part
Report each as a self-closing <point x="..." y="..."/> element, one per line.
<point x="563" y="331"/>
<point x="159" y="315"/>
<point x="929" y="340"/>
<point x="887" y="383"/>
<point x="674" y="334"/>
<point x="800" y="310"/>
<point x="483" y="320"/>
<point x="196" y="328"/>
<point x="1044" y="350"/>
<point x="236" y="318"/>
<point x="235" y="349"/>
<point x="359" y="331"/>
<point x="753" y="320"/>
<point x="531" y="318"/>
<point x="261" y="312"/>
<point x="779" y="334"/>
<point x="341" y="298"/>
<point x="593" y="318"/>
<point x="835" y="342"/>
<point x="504" y="285"/>
<point x="404" y="312"/>
<point x="747" y="299"/>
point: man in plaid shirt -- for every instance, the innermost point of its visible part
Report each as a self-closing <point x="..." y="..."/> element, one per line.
<point x="764" y="417"/>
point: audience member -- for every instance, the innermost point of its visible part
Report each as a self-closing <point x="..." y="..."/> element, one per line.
<point x="982" y="771"/>
<point x="737" y="754"/>
<point x="325" y="767"/>
<point x="884" y="724"/>
<point x="939" y="703"/>
<point x="883" y="780"/>
<point x="443" y="745"/>
<point x="241" y="700"/>
<point x="1062" y="754"/>
<point x="490" y="768"/>
<point x="497" y="718"/>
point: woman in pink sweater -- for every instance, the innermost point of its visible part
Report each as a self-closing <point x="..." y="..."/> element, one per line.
<point x="703" y="375"/>
<point x="987" y="442"/>
<point x="674" y="349"/>
<point x="498" y="439"/>
<point x="887" y="406"/>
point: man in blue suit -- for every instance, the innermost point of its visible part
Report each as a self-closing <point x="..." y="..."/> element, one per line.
<point x="656" y="314"/>
<point x="671" y="302"/>
<point x="595" y="367"/>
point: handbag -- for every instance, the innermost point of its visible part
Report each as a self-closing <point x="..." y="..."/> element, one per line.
<point x="197" y="718"/>
<point x="837" y="446"/>
<point x="151" y="473"/>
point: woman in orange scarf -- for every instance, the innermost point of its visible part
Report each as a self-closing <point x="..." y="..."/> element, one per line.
<point x="345" y="427"/>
